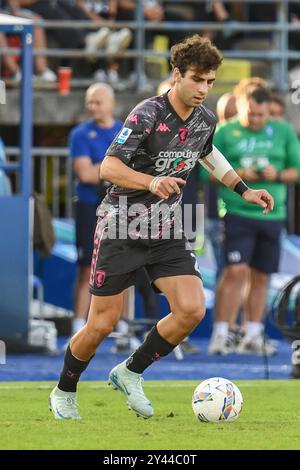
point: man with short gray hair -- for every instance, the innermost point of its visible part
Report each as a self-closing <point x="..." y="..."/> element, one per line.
<point x="88" y="143"/>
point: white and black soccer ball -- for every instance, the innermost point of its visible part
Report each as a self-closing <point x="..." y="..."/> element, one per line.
<point x="216" y="400"/>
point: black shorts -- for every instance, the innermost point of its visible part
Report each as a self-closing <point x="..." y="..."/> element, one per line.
<point x="115" y="262"/>
<point x="252" y="241"/>
<point x="85" y="224"/>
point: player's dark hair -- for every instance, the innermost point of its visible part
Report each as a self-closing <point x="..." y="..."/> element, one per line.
<point x="195" y="52"/>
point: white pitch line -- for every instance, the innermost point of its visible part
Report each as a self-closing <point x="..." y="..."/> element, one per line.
<point x="164" y="384"/>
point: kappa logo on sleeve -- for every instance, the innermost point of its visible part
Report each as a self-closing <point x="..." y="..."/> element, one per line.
<point x="123" y="136"/>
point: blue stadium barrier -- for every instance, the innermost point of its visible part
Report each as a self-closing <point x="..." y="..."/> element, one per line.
<point x="16" y="213"/>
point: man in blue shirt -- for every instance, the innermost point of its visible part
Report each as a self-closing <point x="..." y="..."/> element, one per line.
<point x="88" y="143"/>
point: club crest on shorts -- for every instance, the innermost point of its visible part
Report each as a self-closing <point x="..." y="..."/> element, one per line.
<point x="100" y="278"/>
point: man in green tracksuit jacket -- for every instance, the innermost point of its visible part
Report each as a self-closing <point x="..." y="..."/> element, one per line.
<point x="261" y="151"/>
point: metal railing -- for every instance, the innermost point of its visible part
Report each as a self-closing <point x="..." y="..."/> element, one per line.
<point x="278" y="55"/>
<point x="52" y="176"/>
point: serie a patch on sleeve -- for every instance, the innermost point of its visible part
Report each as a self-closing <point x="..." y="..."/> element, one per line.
<point x="123" y="136"/>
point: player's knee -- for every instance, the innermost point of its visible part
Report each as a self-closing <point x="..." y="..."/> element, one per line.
<point x="106" y="328"/>
<point x="198" y="315"/>
<point x="101" y="329"/>
<point x="191" y="313"/>
<point x="201" y="313"/>
<point x="103" y="323"/>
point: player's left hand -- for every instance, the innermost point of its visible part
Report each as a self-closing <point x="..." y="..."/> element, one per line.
<point x="261" y="197"/>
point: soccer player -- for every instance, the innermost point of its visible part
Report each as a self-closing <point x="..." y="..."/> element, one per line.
<point x="148" y="163"/>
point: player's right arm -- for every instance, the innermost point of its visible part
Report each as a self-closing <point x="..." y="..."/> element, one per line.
<point x="115" y="171"/>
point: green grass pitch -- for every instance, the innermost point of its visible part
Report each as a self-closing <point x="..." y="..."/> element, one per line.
<point x="270" y="419"/>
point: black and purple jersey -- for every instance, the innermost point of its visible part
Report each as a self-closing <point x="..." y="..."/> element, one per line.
<point x="156" y="141"/>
